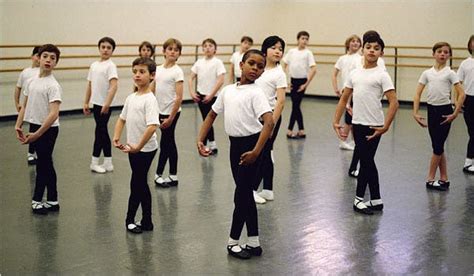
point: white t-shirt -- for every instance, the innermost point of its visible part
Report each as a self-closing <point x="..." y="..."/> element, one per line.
<point x="369" y="87"/>
<point x="140" y="111"/>
<point x="235" y="61"/>
<point x="207" y="71"/>
<point x="27" y="74"/>
<point x="270" y="81"/>
<point x="439" y="84"/>
<point x="466" y="75"/>
<point x="345" y="64"/>
<point x="100" y="74"/>
<point x="166" y="79"/>
<point x="41" y="92"/>
<point x="360" y="63"/>
<point x="299" y="62"/>
<point x="242" y="106"/>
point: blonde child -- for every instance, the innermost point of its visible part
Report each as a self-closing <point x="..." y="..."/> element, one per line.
<point x="246" y="43"/>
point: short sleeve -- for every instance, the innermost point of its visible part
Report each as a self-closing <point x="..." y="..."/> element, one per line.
<point x="386" y="82"/>
<point x="151" y="112"/>
<point x="54" y="93"/>
<point x="194" y="69"/>
<point x="281" y="80"/>
<point x="232" y="58"/>
<point x="339" y="64"/>
<point x="89" y="74"/>
<point x="218" y="106"/>
<point x="179" y="75"/>
<point x="112" y="72"/>
<point x="453" y="77"/>
<point x="349" y="83"/>
<point x="19" y="83"/>
<point x="260" y="104"/>
<point x="220" y="68"/>
<point x="123" y="114"/>
<point x="286" y="58"/>
<point x="311" y="61"/>
<point x="423" y="78"/>
<point x="461" y="72"/>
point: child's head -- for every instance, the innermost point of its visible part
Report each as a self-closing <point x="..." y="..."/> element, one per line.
<point x="48" y="56"/>
<point x="172" y="49"/>
<point x="353" y="44"/>
<point x="252" y="65"/>
<point x="143" y="69"/>
<point x="273" y="48"/>
<point x="442" y="52"/>
<point x="373" y="37"/>
<point x="302" y="37"/>
<point x="209" y="47"/>
<point x="470" y="44"/>
<point x="373" y="46"/>
<point x="245" y="43"/>
<point x="146" y="49"/>
<point x="35" y="56"/>
<point x="106" y="47"/>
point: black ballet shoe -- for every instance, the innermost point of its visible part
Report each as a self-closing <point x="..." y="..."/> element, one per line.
<point x="145" y="226"/>
<point x="243" y="254"/>
<point x="353" y="173"/>
<point x="291" y="136"/>
<point x="135" y="229"/>
<point x="254" y="251"/>
<point x="432" y="186"/>
<point x="365" y="211"/>
<point x="301" y="136"/>
<point x="378" y="207"/>
<point x="467" y="169"/>
<point x="443" y="183"/>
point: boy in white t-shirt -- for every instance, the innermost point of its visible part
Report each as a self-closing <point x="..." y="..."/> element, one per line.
<point x="234" y="73"/>
<point x="101" y="89"/>
<point x="368" y="85"/>
<point x="302" y="69"/>
<point x="23" y="79"/>
<point x="209" y="72"/>
<point x="41" y="110"/>
<point x="140" y="114"/>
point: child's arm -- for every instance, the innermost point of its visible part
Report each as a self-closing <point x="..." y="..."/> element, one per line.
<point x="460" y="95"/>
<point x="52" y="116"/>
<point x="312" y="72"/>
<point x="334" y="82"/>
<point x="249" y="157"/>
<point x="149" y="131"/>
<point x="19" y="122"/>
<point x="85" y="108"/>
<point x="206" y="126"/>
<point x="416" y="105"/>
<point x="232" y="73"/>
<point x="191" y="87"/>
<point x="110" y="96"/>
<point x="346" y="94"/>
<point x="280" y="104"/>
<point x="117" y="133"/>
<point x="217" y="86"/>
<point x="17" y="98"/>
<point x="392" y="110"/>
<point x="177" y="104"/>
<point x="153" y="86"/>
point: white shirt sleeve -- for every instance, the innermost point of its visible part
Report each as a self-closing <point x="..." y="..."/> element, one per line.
<point x="311" y="61"/>
<point x="220" y="68"/>
<point x="281" y="80"/>
<point x="348" y="83"/>
<point x="386" y="82"/>
<point x="151" y="113"/>
<point x="286" y="58"/>
<point x="194" y="69"/>
<point x="338" y="64"/>
<point x="260" y="104"/>
<point x="461" y="72"/>
<point x="123" y="114"/>
<point x="179" y="75"/>
<point x="89" y="74"/>
<point x="112" y="72"/>
<point x="423" y="78"/>
<point x="54" y="94"/>
<point x="218" y="106"/>
<point x="453" y="77"/>
<point x="20" y="83"/>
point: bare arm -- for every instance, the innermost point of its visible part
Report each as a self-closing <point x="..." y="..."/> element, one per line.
<point x="280" y="104"/>
<point x="217" y="86"/>
<point x="17" y="98"/>
<point x="249" y="157"/>
<point x="231" y="73"/>
<point x="311" y="74"/>
<point x="347" y="93"/>
<point x="149" y="131"/>
<point x="85" y="108"/>
<point x="19" y="121"/>
<point x="206" y="126"/>
<point x="193" y="94"/>
<point x="110" y="96"/>
<point x="460" y="95"/>
<point x="334" y="82"/>
<point x="177" y="104"/>
<point x="392" y="110"/>
<point x="416" y="105"/>
<point x="52" y="116"/>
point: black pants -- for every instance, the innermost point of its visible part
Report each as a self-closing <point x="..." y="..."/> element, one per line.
<point x="368" y="174"/>
<point x="296" y="98"/>
<point x="245" y="209"/>
<point x="45" y="173"/>
<point x="355" y="159"/>
<point x="168" y="148"/>
<point x="469" y="119"/>
<point x="139" y="191"/>
<point x="102" y="138"/>
<point x="266" y="168"/>
<point x="205" y="108"/>
<point x="438" y="132"/>
<point x="31" y="147"/>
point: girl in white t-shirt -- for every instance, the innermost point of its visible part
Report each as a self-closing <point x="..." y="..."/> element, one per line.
<point x="169" y="94"/>
<point x="209" y="72"/>
<point x="234" y="73"/>
<point x="273" y="84"/>
<point x="368" y="85"/>
<point x="140" y="114"/>
<point x="439" y="80"/>
<point x="100" y="91"/>
<point x="243" y="104"/>
<point x="466" y="76"/>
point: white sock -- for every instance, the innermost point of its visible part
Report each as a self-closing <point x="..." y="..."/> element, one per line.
<point x="468" y="162"/>
<point x="253" y="241"/>
<point x="107" y="160"/>
<point x="173" y="177"/>
<point x="233" y="242"/>
<point x="359" y="203"/>
<point x="212" y="144"/>
<point x="95" y="160"/>
<point x="52" y="202"/>
<point x="271" y="155"/>
<point x="376" y="202"/>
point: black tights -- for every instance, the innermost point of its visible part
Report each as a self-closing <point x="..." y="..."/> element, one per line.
<point x="168" y="148"/>
<point x="205" y="108"/>
<point x="469" y="119"/>
<point x="296" y="98"/>
<point x="102" y="138"/>
<point x="266" y="169"/>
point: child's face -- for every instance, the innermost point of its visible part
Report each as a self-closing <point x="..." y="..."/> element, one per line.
<point x="209" y="49"/>
<point x="172" y="52"/>
<point x="245" y="46"/>
<point x="35" y="60"/>
<point x="253" y="67"/>
<point x="105" y="50"/>
<point x="303" y="41"/>
<point x="48" y="61"/>
<point x="145" y="52"/>
<point x="372" y="51"/>
<point x="275" y="53"/>
<point x="354" y="45"/>
<point x="141" y="75"/>
<point x="442" y="55"/>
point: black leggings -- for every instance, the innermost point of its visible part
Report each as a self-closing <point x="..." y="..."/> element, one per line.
<point x="296" y="98"/>
<point x="469" y="119"/>
<point x="266" y="169"/>
<point x="368" y="174"/>
<point x="45" y="173"/>
<point x="102" y="138"/>
<point x="139" y="191"/>
<point x="168" y="148"/>
<point x="205" y="108"/>
<point x="245" y="209"/>
<point x="31" y="147"/>
<point x="438" y="132"/>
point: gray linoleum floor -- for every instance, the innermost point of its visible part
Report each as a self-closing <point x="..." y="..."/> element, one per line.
<point x="310" y="228"/>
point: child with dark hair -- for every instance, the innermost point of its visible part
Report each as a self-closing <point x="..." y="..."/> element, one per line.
<point x="234" y="74"/>
<point x="146" y="50"/>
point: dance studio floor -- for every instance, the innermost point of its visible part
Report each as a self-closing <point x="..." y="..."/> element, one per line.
<point x="310" y="228"/>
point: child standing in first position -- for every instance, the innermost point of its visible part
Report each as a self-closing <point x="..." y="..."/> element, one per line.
<point x="169" y="93"/>
<point x="245" y="43"/>
<point x="273" y="83"/>
<point x="209" y="72"/>
<point x="140" y="113"/>
<point x="41" y="110"/>
<point x="439" y="79"/>
<point x="368" y="85"/>
<point x="23" y="79"/>
<point x="243" y="104"/>
<point x="302" y="68"/>
<point x="466" y="76"/>
<point x="101" y="89"/>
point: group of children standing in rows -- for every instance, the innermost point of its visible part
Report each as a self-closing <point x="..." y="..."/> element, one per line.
<point x="252" y="110"/>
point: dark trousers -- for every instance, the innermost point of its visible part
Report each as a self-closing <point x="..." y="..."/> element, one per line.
<point x="168" y="149"/>
<point x="31" y="147"/>
<point x="266" y="168"/>
<point x="102" y="138"/>
<point x="139" y="191"/>
<point x="45" y="173"/>
<point x="469" y="119"/>
<point x="355" y="159"/>
<point x="245" y="209"/>
<point x="296" y="98"/>
<point x="438" y="132"/>
<point x="368" y="174"/>
<point x="205" y="108"/>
